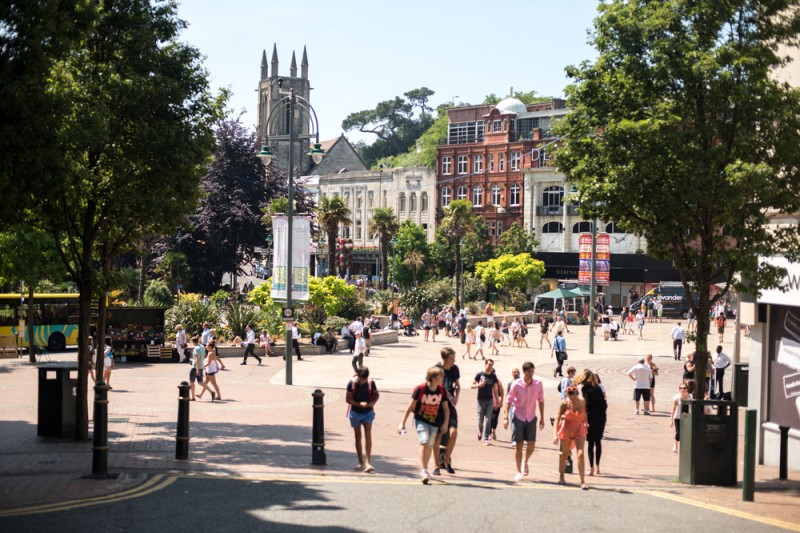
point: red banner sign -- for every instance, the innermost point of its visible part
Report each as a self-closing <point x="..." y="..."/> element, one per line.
<point x="602" y="264"/>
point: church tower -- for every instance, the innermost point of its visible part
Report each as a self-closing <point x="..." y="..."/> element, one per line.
<point x="269" y="97"/>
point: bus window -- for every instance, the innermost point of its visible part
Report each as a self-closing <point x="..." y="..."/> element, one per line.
<point x="8" y="314"/>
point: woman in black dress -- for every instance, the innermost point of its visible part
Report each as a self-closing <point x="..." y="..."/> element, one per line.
<point x="596" y="406"/>
<point x="688" y="372"/>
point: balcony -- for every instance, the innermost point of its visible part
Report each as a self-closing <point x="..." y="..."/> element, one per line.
<point x="550" y="210"/>
<point x="461" y="139"/>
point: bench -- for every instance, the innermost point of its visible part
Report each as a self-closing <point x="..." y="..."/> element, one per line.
<point x="8" y="347"/>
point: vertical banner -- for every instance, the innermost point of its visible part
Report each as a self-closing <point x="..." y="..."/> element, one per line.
<point x="602" y="265"/>
<point x="301" y="257"/>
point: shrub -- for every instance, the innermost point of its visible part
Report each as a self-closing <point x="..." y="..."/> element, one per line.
<point x="157" y="294"/>
<point x="336" y="322"/>
<point x="237" y="316"/>
<point x="474" y="308"/>
<point x="441" y="291"/>
<point x="474" y="289"/>
<point x="191" y="312"/>
<point x="415" y="301"/>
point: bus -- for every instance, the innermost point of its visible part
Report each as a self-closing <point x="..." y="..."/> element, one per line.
<point x="55" y="319"/>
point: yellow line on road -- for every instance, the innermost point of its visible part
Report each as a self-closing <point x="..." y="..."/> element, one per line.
<point x="724" y="510"/>
<point x="152" y="485"/>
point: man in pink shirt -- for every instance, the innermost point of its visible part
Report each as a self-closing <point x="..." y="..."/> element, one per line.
<point x="523" y="395"/>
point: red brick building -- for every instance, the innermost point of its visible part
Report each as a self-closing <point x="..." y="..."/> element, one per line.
<point x="486" y="150"/>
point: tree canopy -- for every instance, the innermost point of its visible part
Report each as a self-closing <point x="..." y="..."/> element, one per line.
<point x="511" y="271"/>
<point x="679" y="131"/>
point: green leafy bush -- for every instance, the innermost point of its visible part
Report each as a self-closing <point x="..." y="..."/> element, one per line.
<point x="191" y="312"/>
<point x="157" y="294"/>
<point x="441" y="291"/>
<point x="237" y="316"/>
<point x="415" y="301"/>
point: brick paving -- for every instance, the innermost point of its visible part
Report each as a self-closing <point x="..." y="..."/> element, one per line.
<point x="263" y="427"/>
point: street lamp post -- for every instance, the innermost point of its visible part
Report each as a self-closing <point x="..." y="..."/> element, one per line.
<point x="393" y="244"/>
<point x="286" y="107"/>
<point x="593" y="287"/>
<point x="460" y="300"/>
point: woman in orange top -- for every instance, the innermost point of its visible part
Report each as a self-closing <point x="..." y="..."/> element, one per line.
<point x="571" y="427"/>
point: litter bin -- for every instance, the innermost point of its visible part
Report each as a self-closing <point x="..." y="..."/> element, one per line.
<point x="57" y="399"/>
<point x="709" y="442"/>
<point x="741" y="375"/>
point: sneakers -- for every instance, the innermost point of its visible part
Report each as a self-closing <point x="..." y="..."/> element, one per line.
<point x="518" y="477"/>
<point x="436" y="471"/>
<point x="636" y="411"/>
<point x="485" y="442"/>
<point x="647" y="413"/>
<point x="449" y="469"/>
<point x="425" y="477"/>
<point x="675" y="449"/>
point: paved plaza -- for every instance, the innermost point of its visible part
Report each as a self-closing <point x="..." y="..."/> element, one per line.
<point x="262" y="428"/>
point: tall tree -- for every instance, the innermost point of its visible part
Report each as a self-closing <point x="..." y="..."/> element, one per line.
<point x="680" y="113"/>
<point x="458" y="221"/>
<point x="411" y="237"/>
<point x="508" y="272"/>
<point x="385" y="224"/>
<point x="331" y="212"/>
<point x="515" y="240"/>
<point x="133" y="140"/>
<point x="414" y="260"/>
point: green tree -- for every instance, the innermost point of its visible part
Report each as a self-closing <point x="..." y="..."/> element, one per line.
<point x="411" y="237"/>
<point x="524" y="97"/>
<point x="678" y="131"/>
<point x="510" y="272"/>
<point x="414" y="260"/>
<point x="27" y="257"/>
<point x="477" y="244"/>
<point x="385" y="224"/>
<point x="458" y="221"/>
<point x="515" y="240"/>
<point x="133" y="140"/>
<point x="331" y="212"/>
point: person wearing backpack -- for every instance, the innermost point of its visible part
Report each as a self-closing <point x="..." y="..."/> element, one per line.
<point x="428" y="404"/>
<point x="362" y="395"/>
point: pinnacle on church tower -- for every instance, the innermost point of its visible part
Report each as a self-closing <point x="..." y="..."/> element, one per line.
<point x="293" y="67"/>
<point x="264" y="73"/>
<point x="275" y="60"/>
<point x="304" y="65"/>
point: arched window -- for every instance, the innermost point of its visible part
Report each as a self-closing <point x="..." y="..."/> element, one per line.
<point x="413" y="203"/>
<point x="553" y="196"/>
<point x="495" y="195"/>
<point x="477" y="197"/>
<point x="552" y="227"/>
<point x="402" y="201"/>
<point x="461" y="193"/>
<point x="423" y="200"/>
<point x="446" y="196"/>
<point x="612" y="227"/>
<point x="583" y="226"/>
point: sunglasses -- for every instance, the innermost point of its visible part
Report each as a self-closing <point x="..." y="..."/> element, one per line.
<point x="571" y="392"/>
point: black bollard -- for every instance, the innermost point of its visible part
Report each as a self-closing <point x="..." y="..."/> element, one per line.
<point x="318" y="431"/>
<point x="100" y="440"/>
<point x="783" y="471"/>
<point x="182" y="437"/>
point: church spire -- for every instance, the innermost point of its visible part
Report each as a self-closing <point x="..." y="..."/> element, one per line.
<point x="293" y="67"/>
<point x="275" y="60"/>
<point x="304" y="65"/>
<point x="264" y="74"/>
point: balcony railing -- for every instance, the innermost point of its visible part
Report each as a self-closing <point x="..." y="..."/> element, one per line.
<point x="551" y="210"/>
<point x="461" y="139"/>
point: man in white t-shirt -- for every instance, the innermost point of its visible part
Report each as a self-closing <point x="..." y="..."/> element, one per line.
<point x="479" y="331"/>
<point x="678" y="334"/>
<point x="641" y="375"/>
<point x="721" y="362"/>
<point x="358" y="352"/>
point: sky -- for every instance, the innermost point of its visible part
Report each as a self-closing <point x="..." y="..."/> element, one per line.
<point x="363" y="52"/>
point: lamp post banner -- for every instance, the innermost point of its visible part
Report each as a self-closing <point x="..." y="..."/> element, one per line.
<point x="301" y="256"/>
<point x="602" y="261"/>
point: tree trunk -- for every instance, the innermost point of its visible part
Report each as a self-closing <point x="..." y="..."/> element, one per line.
<point x="143" y="273"/>
<point x="332" y="253"/>
<point x="701" y="342"/>
<point x="458" y="277"/>
<point x="84" y="315"/>
<point x="384" y="262"/>
<point x="31" y="339"/>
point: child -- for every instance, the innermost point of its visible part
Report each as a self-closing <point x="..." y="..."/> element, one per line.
<point x="428" y="405"/>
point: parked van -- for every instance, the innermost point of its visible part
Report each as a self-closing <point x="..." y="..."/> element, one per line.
<point x="673" y="298"/>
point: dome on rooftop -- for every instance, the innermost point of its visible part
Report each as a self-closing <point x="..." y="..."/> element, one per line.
<point x="511" y="105"/>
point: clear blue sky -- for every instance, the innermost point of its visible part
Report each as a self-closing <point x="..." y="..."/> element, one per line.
<point x="363" y="51"/>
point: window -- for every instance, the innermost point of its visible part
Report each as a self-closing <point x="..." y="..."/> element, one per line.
<point x="583" y="226"/>
<point x="612" y="227"/>
<point x="358" y="229"/>
<point x="495" y="195"/>
<point x="491" y="228"/>
<point x="462" y="165"/>
<point x="553" y="196"/>
<point x="423" y="202"/>
<point x="501" y="162"/>
<point x="371" y="199"/>
<point x="384" y="199"/>
<point x="514" y="200"/>
<point x="447" y="162"/>
<point x="413" y="202"/>
<point x="345" y="232"/>
<point x="491" y="162"/>
<point x="465" y="132"/>
<point x="477" y="197"/>
<point x="346" y="197"/>
<point x="514" y="160"/>
<point x="445" y="197"/>
<point x="544" y="159"/>
<point x="358" y="200"/>
<point x="477" y="163"/>
<point x="552" y="227"/>
<point x="499" y="227"/>
<point x="402" y="201"/>
<point x="461" y="193"/>
<point x="497" y="125"/>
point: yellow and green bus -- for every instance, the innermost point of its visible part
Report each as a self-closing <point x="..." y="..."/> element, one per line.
<point x="55" y="318"/>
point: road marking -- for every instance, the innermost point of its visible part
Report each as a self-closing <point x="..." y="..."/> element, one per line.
<point x="152" y="485"/>
<point x="724" y="510"/>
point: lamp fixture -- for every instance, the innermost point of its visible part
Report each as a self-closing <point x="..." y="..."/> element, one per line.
<point x="265" y="154"/>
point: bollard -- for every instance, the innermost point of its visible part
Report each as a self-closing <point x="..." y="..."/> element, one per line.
<point x="100" y="439"/>
<point x="783" y="473"/>
<point x="749" y="473"/>
<point x="182" y="437"/>
<point x="318" y="430"/>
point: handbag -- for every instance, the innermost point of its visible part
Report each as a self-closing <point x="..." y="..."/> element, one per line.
<point x="483" y="337"/>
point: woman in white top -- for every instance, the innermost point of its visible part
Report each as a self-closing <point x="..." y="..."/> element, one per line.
<point x="264" y="341"/>
<point x="108" y="365"/>
<point x="469" y="340"/>
<point x="675" y="418"/>
<point x="211" y="367"/>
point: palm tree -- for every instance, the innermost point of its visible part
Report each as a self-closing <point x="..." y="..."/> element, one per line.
<point x="414" y="260"/>
<point x="457" y="222"/>
<point x="385" y="224"/>
<point x="331" y="212"/>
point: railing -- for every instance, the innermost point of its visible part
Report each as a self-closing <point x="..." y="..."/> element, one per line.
<point x="461" y="139"/>
<point x="552" y="210"/>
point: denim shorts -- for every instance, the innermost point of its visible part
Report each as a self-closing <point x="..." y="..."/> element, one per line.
<point x="195" y="375"/>
<point x="356" y="419"/>
<point x="426" y="433"/>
